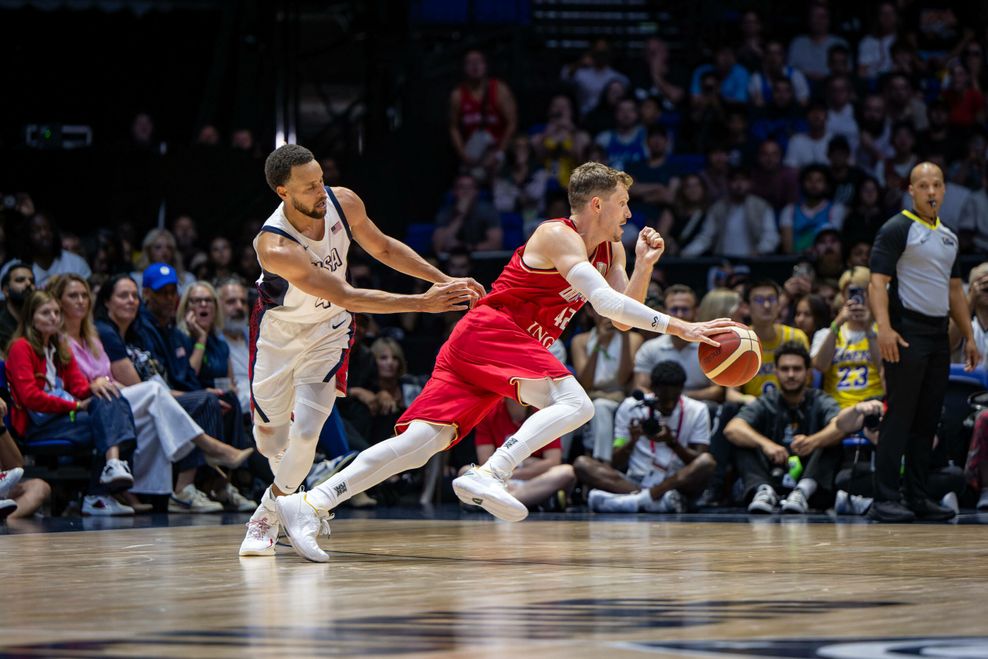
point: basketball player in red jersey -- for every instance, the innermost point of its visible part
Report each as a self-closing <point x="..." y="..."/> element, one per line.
<point x="499" y="349"/>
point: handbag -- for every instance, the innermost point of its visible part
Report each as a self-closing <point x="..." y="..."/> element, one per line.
<point x="58" y="390"/>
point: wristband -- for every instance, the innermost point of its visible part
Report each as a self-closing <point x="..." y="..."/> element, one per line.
<point x="835" y="328"/>
<point x="200" y="346"/>
<point x="620" y="441"/>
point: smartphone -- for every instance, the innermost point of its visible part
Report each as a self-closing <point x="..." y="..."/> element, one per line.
<point x="855" y="294"/>
<point x="803" y="270"/>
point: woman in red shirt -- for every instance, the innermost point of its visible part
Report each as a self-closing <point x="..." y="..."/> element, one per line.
<point x="53" y="400"/>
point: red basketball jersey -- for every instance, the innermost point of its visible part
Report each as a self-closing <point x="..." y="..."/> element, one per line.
<point x="541" y="302"/>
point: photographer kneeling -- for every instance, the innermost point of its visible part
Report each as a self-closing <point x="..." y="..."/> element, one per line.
<point x="790" y="438"/>
<point x="660" y="457"/>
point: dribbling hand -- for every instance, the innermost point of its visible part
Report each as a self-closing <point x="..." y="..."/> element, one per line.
<point x="701" y="332"/>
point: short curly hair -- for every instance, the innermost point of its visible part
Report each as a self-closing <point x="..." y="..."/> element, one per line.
<point x="278" y="165"/>
<point x="668" y="374"/>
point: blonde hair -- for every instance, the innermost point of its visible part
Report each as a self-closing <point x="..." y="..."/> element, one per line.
<point x="593" y="179"/>
<point x="389" y="344"/>
<point x="718" y="303"/>
<point x="87" y="329"/>
<point x="858" y="275"/>
<point x="25" y="328"/>
<point x="183" y="307"/>
<point x="149" y="240"/>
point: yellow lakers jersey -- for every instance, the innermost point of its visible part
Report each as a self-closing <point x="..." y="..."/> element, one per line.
<point x="766" y="381"/>
<point x="852" y="376"/>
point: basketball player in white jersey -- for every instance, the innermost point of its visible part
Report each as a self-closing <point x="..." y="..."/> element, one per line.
<point x="301" y="327"/>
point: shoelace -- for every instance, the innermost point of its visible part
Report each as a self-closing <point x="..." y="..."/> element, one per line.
<point x="257" y="529"/>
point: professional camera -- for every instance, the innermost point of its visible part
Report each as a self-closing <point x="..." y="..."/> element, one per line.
<point x="653" y="424"/>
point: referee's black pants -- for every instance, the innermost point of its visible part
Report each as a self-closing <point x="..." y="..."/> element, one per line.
<point x="915" y="390"/>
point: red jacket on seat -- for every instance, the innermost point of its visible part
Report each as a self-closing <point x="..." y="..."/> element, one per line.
<point x="26" y="378"/>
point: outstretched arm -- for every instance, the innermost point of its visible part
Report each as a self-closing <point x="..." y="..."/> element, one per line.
<point x="288" y="259"/>
<point x="566" y="252"/>
<point x="390" y="251"/>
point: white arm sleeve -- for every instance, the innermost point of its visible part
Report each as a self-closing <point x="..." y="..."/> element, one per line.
<point x="611" y="304"/>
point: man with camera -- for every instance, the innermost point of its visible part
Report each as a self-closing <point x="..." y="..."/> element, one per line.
<point x="915" y="285"/>
<point x="790" y="431"/>
<point x="660" y="457"/>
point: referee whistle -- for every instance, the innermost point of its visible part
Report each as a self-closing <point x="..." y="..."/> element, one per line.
<point x="933" y="203"/>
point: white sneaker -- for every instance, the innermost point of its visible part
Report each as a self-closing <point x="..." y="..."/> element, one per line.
<point x="302" y="524"/>
<point x="672" y="502"/>
<point x="361" y="500"/>
<point x="949" y="500"/>
<point x="8" y="479"/>
<point x="479" y="487"/>
<point x="232" y="500"/>
<point x="100" y="505"/>
<point x="7" y="506"/>
<point x="600" y="501"/>
<point x="795" y="503"/>
<point x="983" y="501"/>
<point x="191" y="500"/>
<point x="262" y="529"/>
<point x="851" y="504"/>
<point x="764" y="500"/>
<point x="116" y="476"/>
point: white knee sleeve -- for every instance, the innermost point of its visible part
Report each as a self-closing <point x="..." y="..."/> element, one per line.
<point x="313" y="405"/>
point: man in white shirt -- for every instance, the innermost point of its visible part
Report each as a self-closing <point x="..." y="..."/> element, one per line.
<point x="810" y="147"/>
<point x="660" y="456"/>
<point x="680" y="301"/>
<point x="233" y="300"/>
<point x="47" y="256"/>
<point x="742" y="225"/>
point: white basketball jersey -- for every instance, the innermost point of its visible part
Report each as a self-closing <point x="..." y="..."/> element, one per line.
<point x="278" y="297"/>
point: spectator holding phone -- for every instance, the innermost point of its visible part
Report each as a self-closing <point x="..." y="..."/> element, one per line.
<point x="847" y="352"/>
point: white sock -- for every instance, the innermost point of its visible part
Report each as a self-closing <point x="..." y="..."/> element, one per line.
<point x="807" y="486"/>
<point x="644" y="498"/>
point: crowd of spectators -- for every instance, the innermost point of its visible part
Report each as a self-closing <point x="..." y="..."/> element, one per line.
<point x="774" y="146"/>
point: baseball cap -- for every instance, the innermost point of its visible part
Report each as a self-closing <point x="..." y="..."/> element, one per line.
<point x="158" y="275"/>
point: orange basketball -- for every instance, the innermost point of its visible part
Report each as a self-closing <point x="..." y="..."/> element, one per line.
<point x="736" y="361"/>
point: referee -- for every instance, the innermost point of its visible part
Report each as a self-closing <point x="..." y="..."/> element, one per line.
<point x="915" y="284"/>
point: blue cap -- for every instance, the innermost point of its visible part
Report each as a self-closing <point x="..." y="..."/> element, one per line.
<point x="158" y="275"/>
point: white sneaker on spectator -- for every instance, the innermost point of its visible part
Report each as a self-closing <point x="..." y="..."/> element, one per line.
<point x="262" y="529"/>
<point x="116" y="476"/>
<point x="191" y="500"/>
<point x="8" y="479"/>
<point x="600" y="501"/>
<point x="7" y="506"/>
<point x="232" y="500"/>
<point x="480" y="487"/>
<point x="851" y="504"/>
<point x="983" y="501"/>
<point x="764" y="500"/>
<point x="361" y="500"/>
<point x="104" y="505"/>
<point x="795" y="503"/>
<point x="323" y="471"/>
<point x="949" y="500"/>
<point x="302" y="524"/>
<point x="672" y="501"/>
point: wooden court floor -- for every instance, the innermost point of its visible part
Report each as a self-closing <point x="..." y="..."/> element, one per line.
<point x="627" y="587"/>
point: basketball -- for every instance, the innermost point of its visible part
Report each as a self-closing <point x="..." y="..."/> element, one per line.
<point x="736" y="361"/>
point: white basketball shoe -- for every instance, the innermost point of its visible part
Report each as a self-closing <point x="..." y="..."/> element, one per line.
<point x="262" y="528"/>
<point x="303" y="524"/>
<point x="480" y="487"/>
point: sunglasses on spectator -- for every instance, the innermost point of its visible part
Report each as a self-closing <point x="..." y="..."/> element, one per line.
<point x="679" y="310"/>
<point x="763" y="300"/>
<point x="195" y="301"/>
